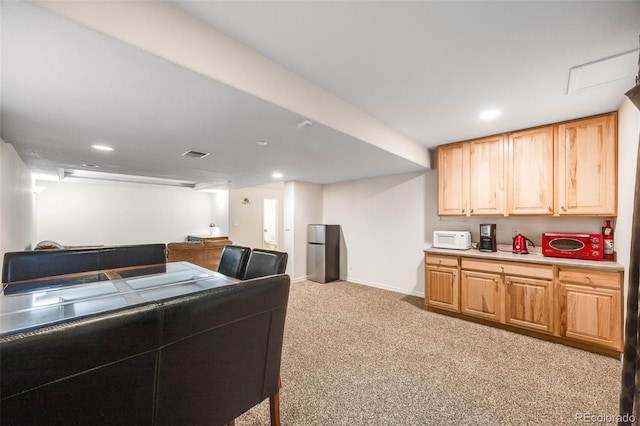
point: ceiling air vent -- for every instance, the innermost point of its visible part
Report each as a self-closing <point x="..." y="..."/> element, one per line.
<point x="195" y="154"/>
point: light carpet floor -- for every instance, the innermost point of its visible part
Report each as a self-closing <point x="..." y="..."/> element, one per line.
<point x="356" y="355"/>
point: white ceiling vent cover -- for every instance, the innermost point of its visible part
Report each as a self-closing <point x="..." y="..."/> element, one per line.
<point x="195" y="154"/>
<point x="603" y="71"/>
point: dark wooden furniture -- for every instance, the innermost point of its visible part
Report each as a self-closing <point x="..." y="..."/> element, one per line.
<point x="205" y="253"/>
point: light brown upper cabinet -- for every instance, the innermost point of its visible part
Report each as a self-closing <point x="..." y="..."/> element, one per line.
<point x="587" y="166"/>
<point x="567" y="168"/>
<point x="486" y="176"/>
<point x="530" y="172"/>
<point x="453" y="179"/>
<point x="471" y="177"/>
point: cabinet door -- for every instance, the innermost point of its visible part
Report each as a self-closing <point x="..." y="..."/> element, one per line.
<point x="453" y="177"/>
<point x="587" y="166"/>
<point x="530" y="172"/>
<point x="442" y="288"/>
<point x="486" y="176"/>
<point x="480" y="295"/>
<point x="529" y="303"/>
<point x="591" y="315"/>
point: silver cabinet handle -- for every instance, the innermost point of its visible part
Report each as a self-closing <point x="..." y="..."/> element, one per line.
<point x="588" y="277"/>
<point x="463" y="210"/>
<point x="549" y="208"/>
<point x="471" y="210"/>
<point x="563" y="209"/>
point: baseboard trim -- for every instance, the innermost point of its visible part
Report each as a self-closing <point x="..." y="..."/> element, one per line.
<point x="368" y="284"/>
<point x="383" y="287"/>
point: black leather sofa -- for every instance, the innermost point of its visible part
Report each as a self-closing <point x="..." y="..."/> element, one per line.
<point x="199" y="359"/>
<point x="29" y="265"/>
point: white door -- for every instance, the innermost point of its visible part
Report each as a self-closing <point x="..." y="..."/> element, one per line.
<point x="270" y="224"/>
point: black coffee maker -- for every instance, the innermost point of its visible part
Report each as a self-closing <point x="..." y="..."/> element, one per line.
<point x="487" y="237"/>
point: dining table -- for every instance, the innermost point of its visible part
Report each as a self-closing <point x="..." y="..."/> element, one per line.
<point x="34" y="304"/>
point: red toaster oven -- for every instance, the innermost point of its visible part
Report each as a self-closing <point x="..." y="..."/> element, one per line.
<point x="572" y="244"/>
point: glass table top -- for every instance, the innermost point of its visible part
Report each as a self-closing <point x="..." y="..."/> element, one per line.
<point x="37" y="303"/>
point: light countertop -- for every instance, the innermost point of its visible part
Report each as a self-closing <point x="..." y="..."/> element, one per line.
<point x="504" y="253"/>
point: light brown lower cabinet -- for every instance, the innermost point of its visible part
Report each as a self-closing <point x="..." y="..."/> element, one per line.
<point x="481" y="295"/>
<point x="492" y="290"/>
<point x="441" y="284"/>
<point x="590" y="304"/>
<point x="529" y="303"/>
<point x="574" y="304"/>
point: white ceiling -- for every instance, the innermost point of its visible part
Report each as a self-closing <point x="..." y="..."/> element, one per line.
<point x="425" y="69"/>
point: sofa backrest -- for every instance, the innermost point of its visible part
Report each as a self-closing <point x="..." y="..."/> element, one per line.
<point x="29" y="265"/>
<point x="201" y="358"/>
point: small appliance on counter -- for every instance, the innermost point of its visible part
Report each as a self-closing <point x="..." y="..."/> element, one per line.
<point x="520" y="244"/>
<point x="487" y="237"/>
<point x="573" y="245"/>
<point x="456" y="240"/>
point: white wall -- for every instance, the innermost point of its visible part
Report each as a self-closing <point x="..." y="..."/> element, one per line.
<point x="245" y="220"/>
<point x="17" y="203"/>
<point x="383" y="224"/>
<point x="303" y="207"/>
<point x="83" y="213"/>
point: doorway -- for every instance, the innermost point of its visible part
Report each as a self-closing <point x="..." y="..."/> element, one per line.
<point x="270" y="224"/>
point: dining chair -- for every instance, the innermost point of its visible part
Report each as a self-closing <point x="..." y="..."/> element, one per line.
<point x="264" y="262"/>
<point x="233" y="260"/>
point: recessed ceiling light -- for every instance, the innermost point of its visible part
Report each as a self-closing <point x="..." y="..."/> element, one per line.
<point x="262" y="143"/>
<point x="490" y="114"/>
<point x="277" y="175"/>
<point x="102" y="147"/>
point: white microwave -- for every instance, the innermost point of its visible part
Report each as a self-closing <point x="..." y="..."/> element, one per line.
<point x="456" y="240"/>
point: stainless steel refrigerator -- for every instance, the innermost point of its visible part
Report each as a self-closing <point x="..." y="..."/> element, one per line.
<point x="323" y="253"/>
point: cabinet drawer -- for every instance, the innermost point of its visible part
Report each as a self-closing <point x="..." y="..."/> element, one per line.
<point x="450" y="261"/>
<point x="591" y="277"/>
<point x="544" y="272"/>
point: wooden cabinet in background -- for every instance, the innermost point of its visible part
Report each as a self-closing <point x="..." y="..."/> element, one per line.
<point x="486" y="176"/>
<point x="471" y="177"/>
<point x="441" y="282"/>
<point x="587" y="166"/>
<point x="566" y="168"/>
<point x="530" y="183"/>
<point x="590" y="304"/>
<point x="453" y="179"/>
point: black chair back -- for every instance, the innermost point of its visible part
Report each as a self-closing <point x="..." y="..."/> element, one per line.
<point x="265" y="262"/>
<point x="233" y="260"/>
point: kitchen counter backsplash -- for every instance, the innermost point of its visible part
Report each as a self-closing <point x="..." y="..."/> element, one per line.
<point x="535" y="256"/>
